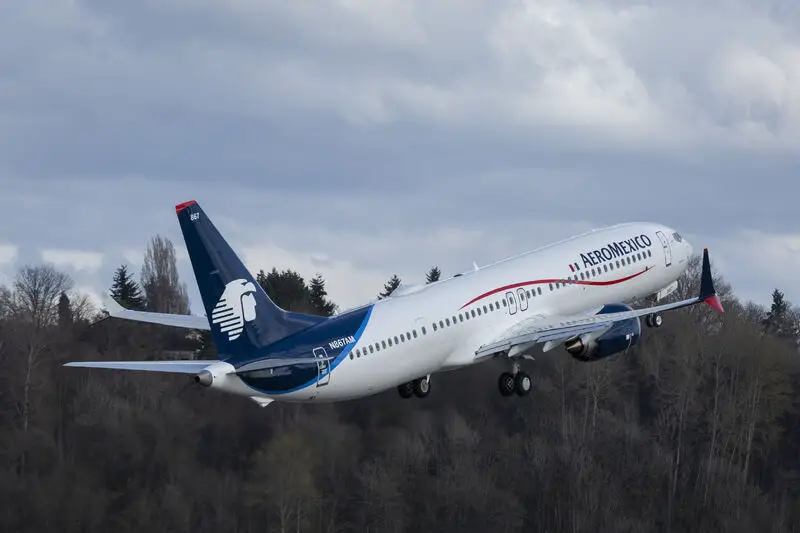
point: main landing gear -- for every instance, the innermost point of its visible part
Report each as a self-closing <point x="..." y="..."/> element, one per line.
<point x="516" y="381"/>
<point x="654" y="320"/>
<point x="419" y="387"/>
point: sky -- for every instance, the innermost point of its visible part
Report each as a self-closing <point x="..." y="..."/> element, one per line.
<point x="363" y="138"/>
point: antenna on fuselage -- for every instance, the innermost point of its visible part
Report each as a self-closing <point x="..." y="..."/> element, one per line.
<point x="475" y="266"/>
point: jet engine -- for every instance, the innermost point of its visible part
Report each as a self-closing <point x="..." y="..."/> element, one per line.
<point x="621" y="336"/>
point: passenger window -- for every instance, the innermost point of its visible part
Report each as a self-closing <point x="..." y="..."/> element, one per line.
<point x="479" y="311"/>
<point x="473" y="313"/>
<point x="551" y="286"/>
<point x="395" y="340"/>
<point x="447" y="321"/>
<point x="504" y="302"/>
<point x="390" y="341"/>
<point x="377" y="347"/>
<point x="351" y="355"/>
<point x="370" y="349"/>
<point x="540" y="291"/>
<point x="402" y="338"/>
<point x="434" y="326"/>
<point x="460" y="317"/>
<point x="484" y="309"/>
<point x="414" y="332"/>
<point x="424" y="332"/>
<point x="441" y="324"/>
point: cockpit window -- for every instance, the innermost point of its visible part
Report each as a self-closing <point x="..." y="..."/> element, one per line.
<point x="677" y="237"/>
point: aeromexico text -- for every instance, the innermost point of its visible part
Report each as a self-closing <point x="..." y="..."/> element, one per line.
<point x="616" y="249"/>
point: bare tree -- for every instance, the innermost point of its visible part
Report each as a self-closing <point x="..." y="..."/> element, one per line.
<point x="5" y="301"/>
<point x="162" y="287"/>
<point x="36" y="293"/>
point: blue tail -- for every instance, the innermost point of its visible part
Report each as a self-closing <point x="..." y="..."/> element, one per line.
<point x="242" y="317"/>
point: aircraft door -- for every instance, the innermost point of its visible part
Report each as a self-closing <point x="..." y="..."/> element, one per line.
<point x="323" y="366"/>
<point x="667" y="249"/>
<point x="512" y="303"/>
<point x="523" y="299"/>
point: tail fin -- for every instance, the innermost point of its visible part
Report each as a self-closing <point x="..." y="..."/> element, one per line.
<point x="241" y="315"/>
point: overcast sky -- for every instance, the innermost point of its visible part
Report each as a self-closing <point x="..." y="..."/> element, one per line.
<point x="359" y="138"/>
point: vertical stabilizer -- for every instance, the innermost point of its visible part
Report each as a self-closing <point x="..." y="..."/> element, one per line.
<point x="241" y="315"/>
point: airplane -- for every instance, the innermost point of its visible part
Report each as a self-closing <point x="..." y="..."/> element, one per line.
<point x="569" y="293"/>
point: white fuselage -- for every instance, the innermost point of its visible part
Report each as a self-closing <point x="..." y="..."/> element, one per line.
<point x="440" y="326"/>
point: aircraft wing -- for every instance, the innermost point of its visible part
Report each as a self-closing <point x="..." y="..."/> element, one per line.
<point x="539" y="329"/>
<point x="174" y="367"/>
<point x="115" y="310"/>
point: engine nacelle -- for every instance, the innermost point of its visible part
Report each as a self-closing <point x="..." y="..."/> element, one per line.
<point x="594" y="346"/>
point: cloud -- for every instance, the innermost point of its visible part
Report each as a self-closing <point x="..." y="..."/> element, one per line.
<point x="74" y="259"/>
<point x="365" y="138"/>
<point x="756" y="262"/>
<point x="8" y="253"/>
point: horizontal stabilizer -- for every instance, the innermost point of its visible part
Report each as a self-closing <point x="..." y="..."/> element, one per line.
<point x="115" y="310"/>
<point x="175" y="367"/>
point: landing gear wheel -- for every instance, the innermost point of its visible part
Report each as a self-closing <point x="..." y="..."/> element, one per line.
<point x="654" y="321"/>
<point x="422" y="387"/>
<point x="506" y="384"/>
<point x="406" y="390"/>
<point x="522" y="383"/>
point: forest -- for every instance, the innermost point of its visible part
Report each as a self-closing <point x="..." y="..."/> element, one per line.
<point x="696" y="428"/>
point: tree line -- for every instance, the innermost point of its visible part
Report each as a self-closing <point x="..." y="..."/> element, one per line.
<point x="696" y="428"/>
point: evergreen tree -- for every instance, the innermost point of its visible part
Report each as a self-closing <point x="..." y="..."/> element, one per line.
<point x="390" y="286"/>
<point x="318" y="296"/>
<point x="287" y="289"/>
<point x="64" y="310"/>
<point x="779" y="320"/>
<point x="126" y="291"/>
<point x="433" y="275"/>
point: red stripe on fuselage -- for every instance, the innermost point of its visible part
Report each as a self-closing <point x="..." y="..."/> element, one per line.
<point x="564" y="281"/>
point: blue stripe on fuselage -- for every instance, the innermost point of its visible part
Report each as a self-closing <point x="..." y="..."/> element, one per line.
<point x="286" y="379"/>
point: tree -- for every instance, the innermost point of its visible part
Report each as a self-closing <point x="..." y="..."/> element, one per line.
<point x="318" y="296"/>
<point x="36" y="293"/>
<point x="64" y="311"/>
<point x="5" y="301"/>
<point x="126" y="291"/>
<point x="287" y="289"/>
<point x="779" y="318"/>
<point x="390" y="286"/>
<point x="433" y="275"/>
<point x="164" y="292"/>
